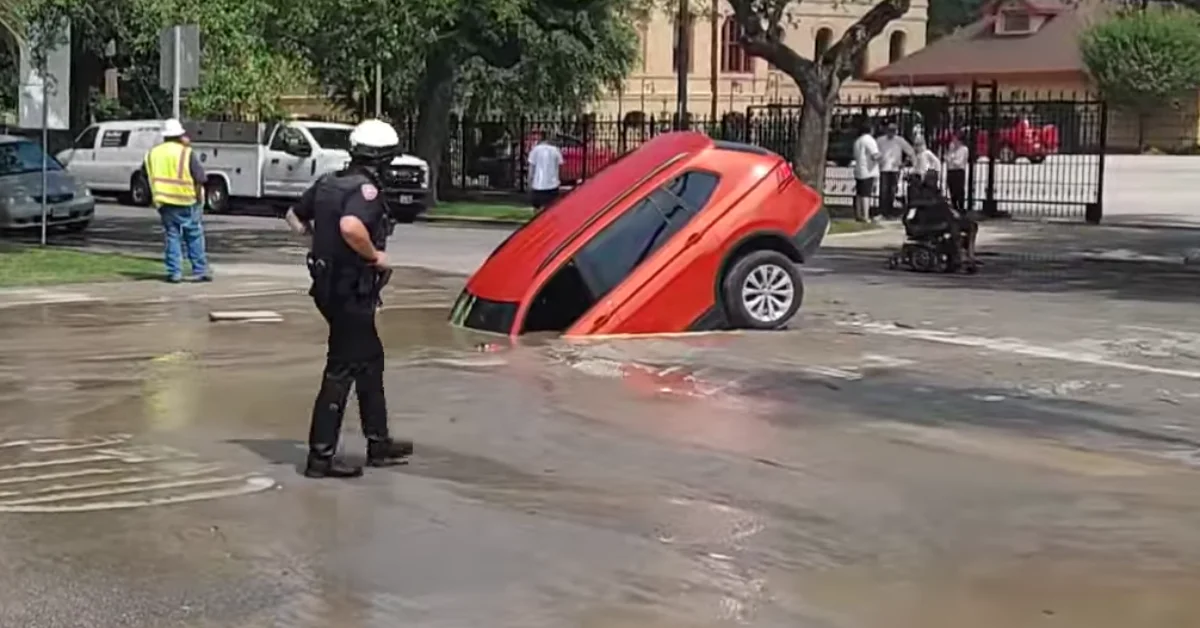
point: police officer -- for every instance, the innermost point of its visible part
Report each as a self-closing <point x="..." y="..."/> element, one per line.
<point x="347" y="217"/>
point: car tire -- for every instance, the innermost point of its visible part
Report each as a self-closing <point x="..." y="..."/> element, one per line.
<point x="762" y="290"/>
<point x="216" y="195"/>
<point x="1037" y="159"/>
<point x="843" y="163"/>
<point x="1007" y="155"/>
<point x="139" y="190"/>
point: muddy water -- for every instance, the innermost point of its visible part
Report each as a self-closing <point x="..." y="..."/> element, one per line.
<point x="804" y="479"/>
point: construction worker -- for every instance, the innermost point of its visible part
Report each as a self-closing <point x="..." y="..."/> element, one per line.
<point x="346" y="214"/>
<point x="176" y="186"/>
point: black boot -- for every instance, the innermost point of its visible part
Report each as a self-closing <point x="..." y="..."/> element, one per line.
<point x="389" y="452"/>
<point x="321" y="467"/>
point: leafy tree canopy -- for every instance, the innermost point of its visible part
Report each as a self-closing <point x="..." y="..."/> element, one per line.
<point x="1142" y="59"/>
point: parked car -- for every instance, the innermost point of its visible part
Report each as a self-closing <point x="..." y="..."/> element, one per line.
<point x="683" y="234"/>
<point x="69" y="204"/>
<point x="1017" y="136"/>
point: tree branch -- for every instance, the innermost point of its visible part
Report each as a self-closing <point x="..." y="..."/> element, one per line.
<point x="840" y="55"/>
<point x="762" y="36"/>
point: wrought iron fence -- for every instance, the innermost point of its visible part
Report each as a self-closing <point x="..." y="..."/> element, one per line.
<point x="1035" y="156"/>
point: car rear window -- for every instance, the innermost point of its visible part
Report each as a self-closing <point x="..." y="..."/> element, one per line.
<point x="483" y="314"/>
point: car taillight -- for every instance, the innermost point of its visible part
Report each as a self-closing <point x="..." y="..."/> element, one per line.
<point x="784" y="175"/>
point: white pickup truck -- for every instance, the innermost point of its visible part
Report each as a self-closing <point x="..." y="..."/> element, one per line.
<point x="276" y="162"/>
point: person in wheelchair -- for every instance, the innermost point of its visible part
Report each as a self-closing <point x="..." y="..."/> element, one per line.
<point x="931" y="213"/>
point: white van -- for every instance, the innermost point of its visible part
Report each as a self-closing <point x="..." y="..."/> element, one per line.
<point x="107" y="158"/>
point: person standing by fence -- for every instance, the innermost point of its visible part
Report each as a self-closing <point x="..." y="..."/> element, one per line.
<point x="866" y="171"/>
<point x="176" y="179"/>
<point x="893" y="149"/>
<point x="544" y="161"/>
<point x="957" y="158"/>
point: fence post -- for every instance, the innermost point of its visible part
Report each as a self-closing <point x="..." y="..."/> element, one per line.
<point x="990" y="207"/>
<point x="1095" y="211"/>
<point x="463" y="125"/>
<point x="588" y="149"/>
<point x="519" y="167"/>
<point x="972" y="140"/>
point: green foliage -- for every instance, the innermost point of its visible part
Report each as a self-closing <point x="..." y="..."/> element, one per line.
<point x="945" y="16"/>
<point x="242" y="71"/>
<point x="1141" y="60"/>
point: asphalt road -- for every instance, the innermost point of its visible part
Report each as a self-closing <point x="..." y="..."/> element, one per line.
<point x="1018" y="448"/>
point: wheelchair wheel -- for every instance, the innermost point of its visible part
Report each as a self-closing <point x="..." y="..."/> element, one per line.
<point x="925" y="259"/>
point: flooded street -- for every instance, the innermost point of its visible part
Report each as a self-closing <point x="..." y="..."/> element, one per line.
<point x="850" y="472"/>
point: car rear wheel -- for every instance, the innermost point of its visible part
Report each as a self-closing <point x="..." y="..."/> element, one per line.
<point x="139" y="190"/>
<point x="216" y="195"/>
<point x="762" y="290"/>
<point x="1008" y="155"/>
<point x="1037" y="159"/>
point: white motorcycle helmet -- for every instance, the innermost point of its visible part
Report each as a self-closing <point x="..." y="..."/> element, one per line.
<point x="374" y="140"/>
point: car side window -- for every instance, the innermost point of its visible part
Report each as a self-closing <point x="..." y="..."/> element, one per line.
<point x="694" y="189"/>
<point x="614" y="253"/>
<point x="87" y="139"/>
<point x="287" y="136"/>
<point x="114" y="139"/>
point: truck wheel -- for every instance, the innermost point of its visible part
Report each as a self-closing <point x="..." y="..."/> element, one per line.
<point x="216" y="195"/>
<point x="1007" y="155"/>
<point x="762" y="290"/>
<point x="139" y="190"/>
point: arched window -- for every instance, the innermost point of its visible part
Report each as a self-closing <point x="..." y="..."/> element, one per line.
<point x="690" y="30"/>
<point x="896" y="45"/>
<point x="734" y="59"/>
<point x="824" y="41"/>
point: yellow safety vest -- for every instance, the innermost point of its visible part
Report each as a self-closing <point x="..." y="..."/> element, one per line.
<point x="171" y="181"/>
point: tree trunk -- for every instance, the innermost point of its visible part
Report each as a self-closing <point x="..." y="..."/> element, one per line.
<point x="435" y="99"/>
<point x="813" y="142"/>
<point x="1141" y="132"/>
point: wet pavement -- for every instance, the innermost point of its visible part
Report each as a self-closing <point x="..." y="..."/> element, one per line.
<point x="917" y="451"/>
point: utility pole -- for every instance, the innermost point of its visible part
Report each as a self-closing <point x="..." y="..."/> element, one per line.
<point x="176" y="62"/>
<point x="715" y="60"/>
<point x="683" y="54"/>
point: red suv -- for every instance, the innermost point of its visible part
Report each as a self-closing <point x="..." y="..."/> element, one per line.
<point x="683" y="234"/>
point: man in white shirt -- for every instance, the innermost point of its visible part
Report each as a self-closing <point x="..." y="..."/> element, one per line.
<point x="957" y="157"/>
<point x="926" y="164"/>
<point x="544" y="161"/>
<point x="893" y="149"/>
<point x="866" y="171"/>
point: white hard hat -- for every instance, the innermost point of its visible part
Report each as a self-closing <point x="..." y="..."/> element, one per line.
<point x="172" y="128"/>
<point x="374" y="134"/>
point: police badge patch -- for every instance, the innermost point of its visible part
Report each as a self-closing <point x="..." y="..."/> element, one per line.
<point x="369" y="191"/>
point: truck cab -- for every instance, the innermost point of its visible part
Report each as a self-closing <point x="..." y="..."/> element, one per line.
<point x="275" y="163"/>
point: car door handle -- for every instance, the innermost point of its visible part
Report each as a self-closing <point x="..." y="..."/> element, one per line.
<point x="692" y="239"/>
<point x="600" y="322"/>
<point x="275" y="161"/>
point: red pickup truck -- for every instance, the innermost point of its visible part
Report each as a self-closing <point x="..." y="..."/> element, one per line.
<point x="1016" y="136"/>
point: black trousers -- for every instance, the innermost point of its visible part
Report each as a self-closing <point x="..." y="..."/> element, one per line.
<point x="889" y="183"/>
<point x="355" y="358"/>
<point x="956" y="185"/>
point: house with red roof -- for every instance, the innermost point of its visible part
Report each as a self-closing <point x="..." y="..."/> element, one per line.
<point x="1030" y="49"/>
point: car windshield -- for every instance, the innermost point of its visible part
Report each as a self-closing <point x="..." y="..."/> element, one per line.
<point x="23" y="157"/>
<point x="330" y="137"/>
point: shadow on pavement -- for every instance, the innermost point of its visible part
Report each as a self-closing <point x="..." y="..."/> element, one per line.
<point x="1016" y="269"/>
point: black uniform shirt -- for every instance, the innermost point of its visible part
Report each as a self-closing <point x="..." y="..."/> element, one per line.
<point x="349" y="192"/>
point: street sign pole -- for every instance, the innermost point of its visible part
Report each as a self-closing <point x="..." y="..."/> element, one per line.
<point x="45" y="144"/>
<point x="379" y="90"/>
<point x="175" y="63"/>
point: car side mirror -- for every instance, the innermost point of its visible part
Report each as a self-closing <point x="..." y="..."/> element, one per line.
<point x="298" y="149"/>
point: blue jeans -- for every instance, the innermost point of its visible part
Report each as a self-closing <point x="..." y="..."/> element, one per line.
<point x="182" y="227"/>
